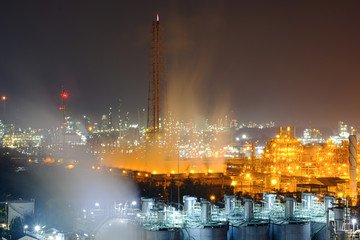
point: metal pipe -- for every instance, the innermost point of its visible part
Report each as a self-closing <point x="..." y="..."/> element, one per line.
<point x="327" y="223"/>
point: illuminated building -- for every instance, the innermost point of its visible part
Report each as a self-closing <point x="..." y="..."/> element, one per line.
<point x="312" y="136"/>
<point x="22" y="141"/>
<point x="283" y="154"/>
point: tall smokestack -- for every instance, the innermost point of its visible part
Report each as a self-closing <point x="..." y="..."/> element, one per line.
<point x="352" y="165"/>
<point x="157" y="89"/>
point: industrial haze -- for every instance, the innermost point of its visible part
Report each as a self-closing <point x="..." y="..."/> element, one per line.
<point x="290" y="62"/>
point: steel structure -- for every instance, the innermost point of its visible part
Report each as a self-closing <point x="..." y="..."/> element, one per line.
<point x="64" y="96"/>
<point x="157" y="95"/>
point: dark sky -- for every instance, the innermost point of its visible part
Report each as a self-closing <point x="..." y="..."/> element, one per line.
<point x="292" y="62"/>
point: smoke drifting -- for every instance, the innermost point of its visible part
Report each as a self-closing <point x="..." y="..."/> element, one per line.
<point x="192" y="65"/>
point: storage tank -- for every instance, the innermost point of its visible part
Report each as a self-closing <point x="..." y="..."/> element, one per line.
<point x="289" y="207"/>
<point x="307" y="200"/>
<point x="250" y="230"/>
<point x="248" y="209"/>
<point x="147" y="204"/>
<point x="216" y="232"/>
<point x="115" y="227"/>
<point x="160" y="234"/>
<point x="269" y="199"/>
<point x="293" y="230"/>
<point x="339" y="218"/>
<point x="189" y="203"/>
<point x="229" y="203"/>
<point x="205" y="211"/>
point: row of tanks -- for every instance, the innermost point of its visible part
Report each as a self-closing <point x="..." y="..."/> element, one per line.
<point x="275" y="217"/>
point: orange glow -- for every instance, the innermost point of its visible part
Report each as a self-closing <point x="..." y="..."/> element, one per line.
<point x="212" y="198"/>
<point x="70" y="166"/>
<point x="3" y="98"/>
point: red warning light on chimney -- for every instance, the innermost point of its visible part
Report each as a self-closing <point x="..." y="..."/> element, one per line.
<point x="64" y="95"/>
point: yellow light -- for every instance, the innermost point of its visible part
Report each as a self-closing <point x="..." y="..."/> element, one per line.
<point x="210" y="171"/>
<point x="212" y="197"/>
<point x="139" y="174"/>
<point x="192" y="171"/>
<point x="110" y="169"/>
<point x="233" y="183"/>
<point x="124" y="172"/>
<point x="273" y="182"/>
<point x="70" y="166"/>
<point x="172" y="172"/>
<point x="90" y="128"/>
<point x="93" y="167"/>
<point x="154" y="172"/>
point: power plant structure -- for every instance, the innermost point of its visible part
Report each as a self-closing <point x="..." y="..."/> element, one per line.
<point x="157" y="88"/>
<point x="274" y="217"/>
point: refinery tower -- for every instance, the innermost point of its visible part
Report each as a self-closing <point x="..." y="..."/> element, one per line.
<point x="157" y="89"/>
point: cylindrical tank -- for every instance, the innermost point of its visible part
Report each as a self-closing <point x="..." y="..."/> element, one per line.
<point x="289" y="207"/>
<point x="269" y="200"/>
<point x="338" y="217"/>
<point x="248" y="209"/>
<point x="161" y="234"/>
<point x="206" y="233"/>
<point x="291" y="231"/>
<point x="307" y="200"/>
<point x="205" y="211"/>
<point x="147" y="204"/>
<point x="229" y="203"/>
<point x="189" y="203"/>
<point x="253" y="231"/>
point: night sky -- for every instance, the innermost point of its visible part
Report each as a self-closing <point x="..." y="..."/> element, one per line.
<point x="292" y="62"/>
